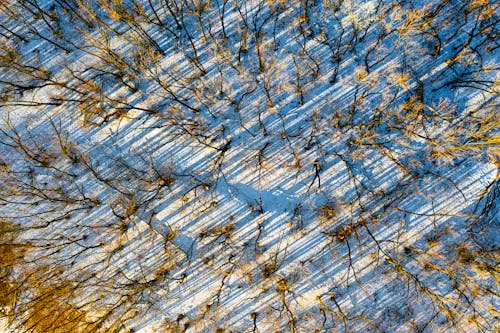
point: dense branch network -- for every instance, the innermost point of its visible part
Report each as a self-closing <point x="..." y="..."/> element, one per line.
<point x="314" y="165"/>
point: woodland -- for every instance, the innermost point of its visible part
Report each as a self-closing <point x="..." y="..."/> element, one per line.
<point x="249" y="166"/>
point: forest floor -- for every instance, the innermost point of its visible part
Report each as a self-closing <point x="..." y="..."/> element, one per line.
<point x="249" y="166"/>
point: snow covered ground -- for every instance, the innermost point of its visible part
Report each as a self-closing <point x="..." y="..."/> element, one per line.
<point x="250" y="166"/>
